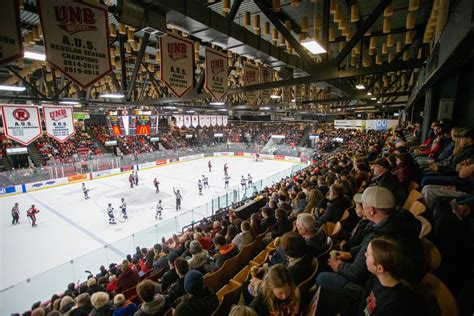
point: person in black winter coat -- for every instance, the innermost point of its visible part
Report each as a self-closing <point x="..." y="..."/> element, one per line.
<point x="335" y="207"/>
<point x="200" y="299"/>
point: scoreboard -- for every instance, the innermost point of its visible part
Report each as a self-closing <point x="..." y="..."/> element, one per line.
<point x="132" y="124"/>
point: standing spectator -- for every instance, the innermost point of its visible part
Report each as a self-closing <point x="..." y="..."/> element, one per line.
<point x="200" y="299"/>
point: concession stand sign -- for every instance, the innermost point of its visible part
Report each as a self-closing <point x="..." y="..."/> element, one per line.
<point x="21" y="123"/>
<point x="76" y="36"/>
<point x="11" y="44"/>
<point x="59" y="121"/>
<point x="177" y="64"/>
<point x="216" y="74"/>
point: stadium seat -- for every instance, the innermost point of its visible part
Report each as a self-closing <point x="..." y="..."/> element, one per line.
<point x="413" y="186"/>
<point x="437" y="296"/>
<point x="432" y="255"/>
<point x="242" y="275"/>
<point x="417" y="208"/>
<point x="128" y="293"/>
<point x="245" y="255"/>
<point x="214" y="280"/>
<point x="425" y="226"/>
<point x="325" y="253"/>
<point x="231" y="296"/>
<point x="304" y="286"/>
<point x="345" y="215"/>
<point x="260" y="259"/>
<point x="412" y="197"/>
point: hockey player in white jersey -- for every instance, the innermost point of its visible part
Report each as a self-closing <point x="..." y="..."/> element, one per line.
<point x="249" y="180"/>
<point x="85" y="191"/>
<point x="205" y="181"/>
<point x="123" y="208"/>
<point x="159" y="210"/>
<point x="200" y="186"/>
<point x="226" y="181"/>
<point x="110" y="212"/>
<point x="243" y="183"/>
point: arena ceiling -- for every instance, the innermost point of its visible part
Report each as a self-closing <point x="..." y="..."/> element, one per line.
<point x="377" y="43"/>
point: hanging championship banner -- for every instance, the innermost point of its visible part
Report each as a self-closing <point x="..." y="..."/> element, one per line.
<point x="224" y="120"/>
<point x="219" y="120"/>
<point x="286" y="98"/>
<point x="266" y="75"/>
<point x="307" y="92"/>
<point x="115" y="124"/>
<point x="179" y="121"/>
<point x="177" y="64"/>
<point x="59" y="122"/>
<point x="202" y="120"/>
<point x="21" y="123"/>
<point x="195" y="121"/>
<point x="251" y="78"/>
<point x="187" y="120"/>
<point x="208" y="120"/>
<point x="298" y="98"/>
<point x="216" y="74"/>
<point x="76" y="36"/>
<point x="11" y="44"/>
<point x="213" y="120"/>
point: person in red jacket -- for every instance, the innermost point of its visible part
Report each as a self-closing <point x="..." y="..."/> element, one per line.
<point x="31" y="213"/>
<point x="127" y="279"/>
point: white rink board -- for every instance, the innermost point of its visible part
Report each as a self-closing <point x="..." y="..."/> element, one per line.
<point x="70" y="227"/>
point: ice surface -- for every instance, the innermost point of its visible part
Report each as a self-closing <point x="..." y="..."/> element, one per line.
<point x="70" y="227"/>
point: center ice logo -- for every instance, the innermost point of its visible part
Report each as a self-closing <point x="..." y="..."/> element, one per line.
<point x="75" y="19"/>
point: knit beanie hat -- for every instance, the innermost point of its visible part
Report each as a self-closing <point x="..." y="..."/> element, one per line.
<point x="193" y="282"/>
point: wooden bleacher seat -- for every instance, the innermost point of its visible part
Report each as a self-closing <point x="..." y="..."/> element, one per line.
<point x="304" y="286"/>
<point x="230" y="267"/>
<point x="432" y="255"/>
<point x="130" y="292"/>
<point x="242" y="275"/>
<point x="260" y="259"/>
<point x="169" y="312"/>
<point x="326" y="252"/>
<point x="246" y="255"/>
<point x="214" y="279"/>
<point x="425" y="226"/>
<point x="438" y="298"/>
<point x="417" y="208"/>
<point x="345" y="215"/>
<point x="231" y="296"/>
<point x="413" y="186"/>
<point x="412" y="197"/>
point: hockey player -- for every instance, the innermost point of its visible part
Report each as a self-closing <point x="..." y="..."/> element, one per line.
<point x="179" y="198"/>
<point x="226" y="169"/>
<point x="205" y="181"/>
<point x="249" y="180"/>
<point x="257" y="157"/>
<point x="31" y="213"/>
<point x="209" y="165"/>
<point x="243" y="183"/>
<point x="156" y="183"/>
<point x="123" y="208"/>
<point x="85" y="191"/>
<point x="110" y="212"/>
<point x="159" y="209"/>
<point x="200" y="186"/>
<point x="131" y="179"/>
<point x="15" y="214"/>
<point x="226" y="181"/>
<point x="136" y="178"/>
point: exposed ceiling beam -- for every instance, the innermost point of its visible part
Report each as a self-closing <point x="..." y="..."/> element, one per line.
<point x="234" y="9"/>
<point x="357" y="97"/>
<point x="138" y="61"/>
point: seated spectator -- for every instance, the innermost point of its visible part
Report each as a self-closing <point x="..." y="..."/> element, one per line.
<point x="315" y="238"/>
<point x="153" y="303"/>
<point x="231" y="233"/>
<point x="268" y="218"/>
<point x="112" y="284"/>
<point x="384" y="178"/>
<point x="176" y="290"/>
<point x="256" y="225"/>
<point x="389" y="291"/>
<point x="337" y="204"/>
<point x="205" y="241"/>
<point x="216" y="228"/>
<point x="277" y="294"/>
<point x="200" y="299"/>
<point x="123" y="307"/>
<point x="170" y="276"/>
<point x="245" y="237"/>
<point x="299" y="262"/>
<point x="93" y="287"/>
<point x="66" y="304"/>
<point x="224" y="252"/>
<point x="162" y="261"/>
<point x="101" y="303"/>
<point x="127" y="279"/>
<point x="283" y="224"/>
<point x="242" y="310"/>
<point x="199" y="256"/>
<point x="83" y="303"/>
<point x="299" y="203"/>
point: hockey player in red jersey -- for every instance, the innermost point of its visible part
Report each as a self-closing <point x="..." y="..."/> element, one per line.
<point x="156" y="183"/>
<point x="209" y="165"/>
<point x="226" y="168"/>
<point x="31" y="213"/>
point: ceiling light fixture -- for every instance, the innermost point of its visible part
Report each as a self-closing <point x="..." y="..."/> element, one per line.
<point x="35" y="56"/>
<point x="112" y="96"/>
<point x="273" y="96"/>
<point x="69" y="102"/>
<point x="373" y="99"/>
<point x="360" y="86"/>
<point x="313" y="46"/>
<point x="11" y="88"/>
<point x="216" y="103"/>
<point x="263" y="108"/>
<point x="369" y="93"/>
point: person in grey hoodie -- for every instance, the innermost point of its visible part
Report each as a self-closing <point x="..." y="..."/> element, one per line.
<point x="153" y="303"/>
<point x="199" y="256"/>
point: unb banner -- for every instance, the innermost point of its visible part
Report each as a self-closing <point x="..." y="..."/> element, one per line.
<point x="59" y="122"/>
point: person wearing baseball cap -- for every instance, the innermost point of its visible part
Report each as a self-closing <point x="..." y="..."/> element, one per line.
<point x="342" y="289"/>
<point x="384" y="178"/>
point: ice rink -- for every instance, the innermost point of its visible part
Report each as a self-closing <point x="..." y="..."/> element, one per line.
<point x="69" y="227"/>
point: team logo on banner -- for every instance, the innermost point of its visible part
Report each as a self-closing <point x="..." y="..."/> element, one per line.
<point x="208" y="120"/>
<point x="187" y="120"/>
<point x="202" y="120"/>
<point x="250" y="78"/>
<point x="224" y="120"/>
<point x="266" y="75"/>
<point x="179" y="121"/>
<point x="219" y="120"/>
<point x="21" y="123"/>
<point x="216" y="74"/>
<point x="177" y="64"/>
<point x="11" y="45"/>
<point x="195" y="120"/>
<point x="213" y="120"/>
<point x="59" y="122"/>
<point x="76" y="36"/>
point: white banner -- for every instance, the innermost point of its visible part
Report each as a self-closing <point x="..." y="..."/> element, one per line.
<point x="286" y="97"/>
<point x="11" y="46"/>
<point x="219" y="120"/>
<point x="266" y="75"/>
<point x="76" y="36"/>
<point x="59" y="122"/>
<point x="21" y="123"/>
<point x="202" y="120"/>
<point x="213" y="120"/>
<point x="179" y="121"/>
<point x="216" y="74"/>
<point x="250" y="78"/>
<point x="208" y="120"/>
<point x="224" y="120"/>
<point x="195" y="120"/>
<point x="177" y="64"/>
<point x="187" y="120"/>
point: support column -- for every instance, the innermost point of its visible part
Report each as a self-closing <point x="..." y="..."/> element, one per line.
<point x="427" y="114"/>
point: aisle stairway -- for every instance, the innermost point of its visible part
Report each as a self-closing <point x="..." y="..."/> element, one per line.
<point x="5" y="164"/>
<point x="35" y="156"/>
